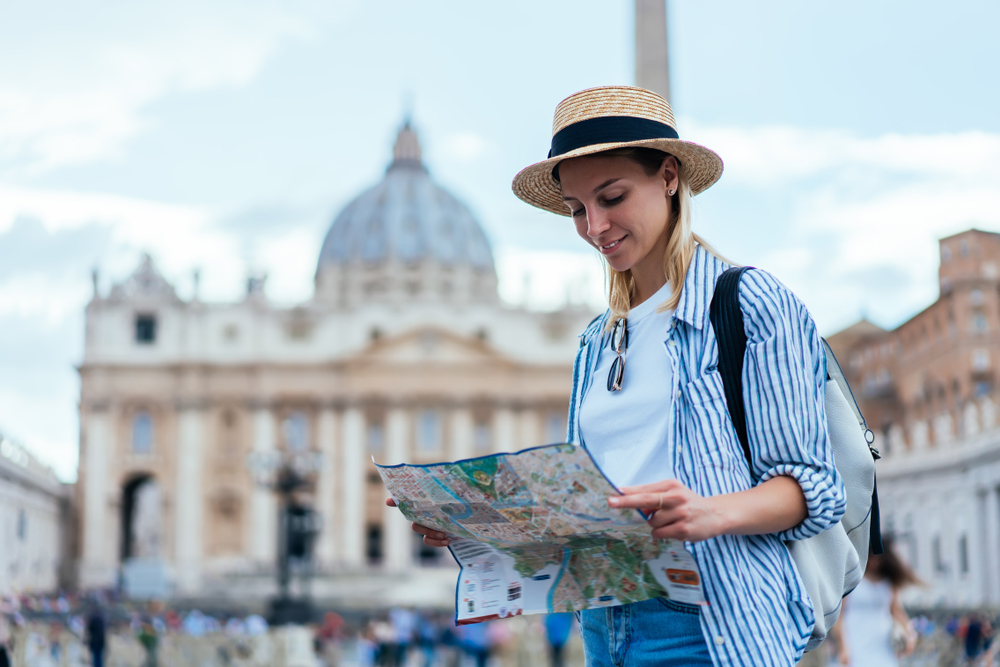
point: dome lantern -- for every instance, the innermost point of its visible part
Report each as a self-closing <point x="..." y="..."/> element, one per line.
<point x="406" y="152"/>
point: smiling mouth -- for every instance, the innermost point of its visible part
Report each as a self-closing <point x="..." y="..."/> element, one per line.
<point x="611" y="246"/>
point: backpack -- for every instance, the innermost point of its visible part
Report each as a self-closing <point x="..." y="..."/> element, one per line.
<point x="832" y="563"/>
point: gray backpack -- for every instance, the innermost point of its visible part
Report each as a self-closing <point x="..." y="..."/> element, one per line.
<point x="832" y="563"/>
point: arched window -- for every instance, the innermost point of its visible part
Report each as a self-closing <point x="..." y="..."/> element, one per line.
<point x="142" y="433"/>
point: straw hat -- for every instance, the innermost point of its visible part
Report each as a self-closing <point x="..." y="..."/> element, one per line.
<point x="601" y="119"/>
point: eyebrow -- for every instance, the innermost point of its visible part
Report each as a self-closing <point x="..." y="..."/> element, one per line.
<point x="599" y="187"/>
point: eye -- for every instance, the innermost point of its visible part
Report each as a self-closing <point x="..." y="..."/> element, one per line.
<point x="616" y="200"/>
<point x="578" y="212"/>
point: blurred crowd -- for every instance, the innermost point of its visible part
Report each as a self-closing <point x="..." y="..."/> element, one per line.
<point x="102" y="629"/>
<point x="942" y="639"/>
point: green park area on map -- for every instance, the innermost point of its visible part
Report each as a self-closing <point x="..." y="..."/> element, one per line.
<point x="533" y="533"/>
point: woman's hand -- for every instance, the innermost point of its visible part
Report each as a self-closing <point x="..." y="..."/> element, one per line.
<point x="681" y="514"/>
<point x="432" y="538"/>
<point x="677" y="512"/>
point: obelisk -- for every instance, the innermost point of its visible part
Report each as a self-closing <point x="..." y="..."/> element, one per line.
<point x="652" y="68"/>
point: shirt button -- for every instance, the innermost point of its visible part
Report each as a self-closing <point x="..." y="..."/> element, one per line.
<point x="720" y="640"/>
<point x="672" y="343"/>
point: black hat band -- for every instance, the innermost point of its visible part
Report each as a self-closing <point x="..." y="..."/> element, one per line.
<point x="608" y="130"/>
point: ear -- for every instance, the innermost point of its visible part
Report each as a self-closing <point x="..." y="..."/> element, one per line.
<point x="670" y="170"/>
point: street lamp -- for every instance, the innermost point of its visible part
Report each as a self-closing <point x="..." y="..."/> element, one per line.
<point x="291" y="475"/>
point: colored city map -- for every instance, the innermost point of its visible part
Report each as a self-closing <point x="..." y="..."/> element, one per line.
<point x="533" y="533"/>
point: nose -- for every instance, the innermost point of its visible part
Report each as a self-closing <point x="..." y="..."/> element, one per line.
<point x="597" y="222"/>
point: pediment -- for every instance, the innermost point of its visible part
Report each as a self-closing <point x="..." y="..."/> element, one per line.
<point x="431" y="345"/>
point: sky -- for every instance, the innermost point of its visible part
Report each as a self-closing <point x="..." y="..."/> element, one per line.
<point x="224" y="136"/>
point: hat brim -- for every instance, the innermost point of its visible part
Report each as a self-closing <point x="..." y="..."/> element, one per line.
<point x="535" y="185"/>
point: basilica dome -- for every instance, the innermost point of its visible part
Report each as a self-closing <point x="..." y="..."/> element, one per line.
<point x="406" y="236"/>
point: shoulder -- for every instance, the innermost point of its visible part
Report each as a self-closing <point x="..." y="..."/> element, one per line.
<point x="769" y="304"/>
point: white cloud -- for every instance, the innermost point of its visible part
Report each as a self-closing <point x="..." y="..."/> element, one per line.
<point x="863" y="213"/>
<point x="780" y="156"/>
<point x="74" y="79"/>
<point x="464" y="146"/>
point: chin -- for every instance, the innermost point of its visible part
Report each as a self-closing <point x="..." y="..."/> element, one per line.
<point x="620" y="264"/>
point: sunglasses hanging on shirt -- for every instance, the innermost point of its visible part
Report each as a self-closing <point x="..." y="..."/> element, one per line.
<point x="619" y="343"/>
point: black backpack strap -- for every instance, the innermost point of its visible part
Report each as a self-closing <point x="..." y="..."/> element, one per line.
<point x="727" y="320"/>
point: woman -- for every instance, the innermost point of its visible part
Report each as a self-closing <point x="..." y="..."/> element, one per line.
<point x="659" y="427"/>
<point x="870" y="613"/>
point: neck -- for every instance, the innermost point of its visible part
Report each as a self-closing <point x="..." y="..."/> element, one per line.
<point x="648" y="274"/>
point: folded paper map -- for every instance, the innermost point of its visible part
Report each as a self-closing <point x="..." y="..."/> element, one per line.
<point x="533" y="533"/>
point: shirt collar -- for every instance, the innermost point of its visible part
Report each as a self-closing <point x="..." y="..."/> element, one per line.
<point x="699" y="286"/>
<point x="693" y="306"/>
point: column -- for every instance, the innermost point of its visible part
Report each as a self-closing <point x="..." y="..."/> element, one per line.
<point x="263" y="505"/>
<point x="326" y="486"/>
<point x="504" y="436"/>
<point x="651" y="65"/>
<point x="462" y="434"/>
<point x="97" y="562"/>
<point x="352" y="489"/>
<point x="991" y="554"/>
<point x="395" y="528"/>
<point x="189" y="499"/>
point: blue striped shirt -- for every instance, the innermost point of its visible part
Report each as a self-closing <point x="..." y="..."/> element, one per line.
<point x="759" y="612"/>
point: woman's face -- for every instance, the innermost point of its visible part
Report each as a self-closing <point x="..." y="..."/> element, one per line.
<point x="618" y="208"/>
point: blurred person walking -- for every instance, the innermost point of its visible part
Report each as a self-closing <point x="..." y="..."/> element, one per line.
<point x="873" y="626"/>
<point x="150" y="641"/>
<point x="977" y="638"/>
<point x="475" y="641"/>
<point x="660" y="428"/>
<point x="328" y="638"/>
<point x="5" y="635"/>
<point x="429" y="636"/>
<point x="404" y="625"/>
<point x="557" y="627"/>
<point x="385" y="642"/>
<point x="97" y="635"/>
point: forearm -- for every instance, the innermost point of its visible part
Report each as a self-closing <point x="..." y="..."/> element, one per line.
<point x="770" y="507"/>
<point x="897" y="612"/>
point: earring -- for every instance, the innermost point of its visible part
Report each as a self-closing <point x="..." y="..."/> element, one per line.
<point x="670" y="192"/>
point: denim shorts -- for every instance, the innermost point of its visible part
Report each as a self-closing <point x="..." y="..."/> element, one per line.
<point x="655" y="632"/>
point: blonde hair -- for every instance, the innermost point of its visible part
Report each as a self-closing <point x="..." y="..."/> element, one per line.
<point x="681" y="242"/>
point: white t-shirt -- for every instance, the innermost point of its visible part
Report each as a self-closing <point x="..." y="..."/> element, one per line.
<point x="626" y="431"/>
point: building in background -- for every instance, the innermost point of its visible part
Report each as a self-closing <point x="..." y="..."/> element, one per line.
<point x="34" y="524"/>
<point x="928" y="389"/>
<point x="405" y="353"/>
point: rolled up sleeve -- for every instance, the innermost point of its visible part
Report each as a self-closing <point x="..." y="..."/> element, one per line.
<point x="784" y="387"/>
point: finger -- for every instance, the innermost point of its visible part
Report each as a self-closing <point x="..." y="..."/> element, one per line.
<point x="678" y="530"/>
<point x="390" y="501"/>
<point x="436" y="543"/>
<point x="432" y="533"/>
<point x="648" y="501"/>
<point x="663" y="518"/>
<point x="653" y="487"/>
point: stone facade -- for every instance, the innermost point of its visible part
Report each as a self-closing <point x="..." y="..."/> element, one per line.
<point x="928" y="389"/>
<point x="34" y="538"/>
<point x="404" y="354"/>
